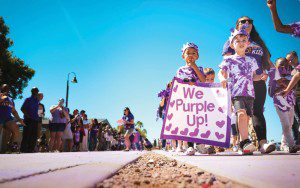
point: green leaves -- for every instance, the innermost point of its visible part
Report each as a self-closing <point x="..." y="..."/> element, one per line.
<point x="14" y="71"/>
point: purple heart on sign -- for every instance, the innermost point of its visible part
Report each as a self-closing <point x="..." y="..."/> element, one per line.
<point x="175" y="88"/>
<point x="172" y="103"/>
<point x="175" y="131"/>
<point x="220" y="123"/>
<point x="168" y="128"/>
<point x="184" y="132"/>
<point x="170" y="116"/>
<point x="205" y="135"/>
<point x="219" y="136"/>
<point x="195" y="133"/>
<point x="221" y="109"/>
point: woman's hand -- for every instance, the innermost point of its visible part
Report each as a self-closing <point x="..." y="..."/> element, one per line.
<point x="264" y="77"/>
<point x="21" y="122"/>
<point x="271" y="4"/>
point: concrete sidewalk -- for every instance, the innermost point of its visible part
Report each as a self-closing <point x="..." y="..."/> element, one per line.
<point x="275" y="170"/>
<point x="77" y="169"/>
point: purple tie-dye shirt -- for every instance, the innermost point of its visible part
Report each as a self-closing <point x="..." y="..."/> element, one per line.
<point x="186" y="72"/>
<point x="296" y="29"/>
<point x="283" y="103"/>
<point x="240" y="72"/>
<point x="253" y="50"/>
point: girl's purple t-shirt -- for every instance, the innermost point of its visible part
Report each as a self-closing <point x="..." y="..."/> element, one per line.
<point x="186" y="72"/>
<point x="240" y="74"/>
<point x="6" y="109"/>
<point x="128" y="118"/>
<point x="296" y="29"/>
<point x="57" y="116"/>
<point x="253" y="50"/>
<point x="284" y="104"/>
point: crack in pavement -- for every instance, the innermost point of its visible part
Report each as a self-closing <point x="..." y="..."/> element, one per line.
<point x="38" y="173"/>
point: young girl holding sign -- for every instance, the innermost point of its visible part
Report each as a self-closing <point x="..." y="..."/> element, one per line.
<point x="238" y="71"/>
<point x="190" y="73"/>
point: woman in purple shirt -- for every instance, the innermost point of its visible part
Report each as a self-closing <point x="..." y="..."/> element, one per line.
<point x="128" y="119"/>
<point x="260" y="52"/>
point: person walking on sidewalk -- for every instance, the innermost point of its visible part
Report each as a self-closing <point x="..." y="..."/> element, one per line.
<point x="57" y="126"/>
<point x="258" y="50"/>
<point x="41" y="113"/>
<point x="128" y="119"/>
<point x="30" y="109"/>
<point x="7" y="109"/>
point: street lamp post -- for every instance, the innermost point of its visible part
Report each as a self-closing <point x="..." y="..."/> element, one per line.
<point x="73" y="81"/>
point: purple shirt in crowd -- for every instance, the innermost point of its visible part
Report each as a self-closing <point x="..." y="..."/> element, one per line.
<point x="128" y="118"/>
<point x="240" y="74"/>
<point x="186" y="72"/>
<point x="57" y="116"/>
<point x="296" y="29"/>
<point x="283" y="103"/>
<point x="253" y="50"/>
<point x="6" y="109"/>
<point x="31" y="106"/>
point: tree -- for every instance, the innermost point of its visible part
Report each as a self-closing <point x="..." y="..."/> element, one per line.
<point x="13" y="70"/>
<point x="139" y="124"/>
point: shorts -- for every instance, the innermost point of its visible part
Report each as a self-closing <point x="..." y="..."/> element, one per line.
<point x="129" y="131"/>
<point x="4" y="121"/>
<point x="243" y="103"/>
<point x="57" y="127"/>
<point x="234" y="130"/>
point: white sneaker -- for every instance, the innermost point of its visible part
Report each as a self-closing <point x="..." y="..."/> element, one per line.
<point x="190" y="151"/>
<point x="248" y="149"/>
<point x="268" y="148"/>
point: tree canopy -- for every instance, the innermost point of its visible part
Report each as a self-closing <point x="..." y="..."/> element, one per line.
<point x="13" y="70"/>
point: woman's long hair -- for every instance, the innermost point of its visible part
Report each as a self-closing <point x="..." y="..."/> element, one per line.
<point x="254" y="36"/>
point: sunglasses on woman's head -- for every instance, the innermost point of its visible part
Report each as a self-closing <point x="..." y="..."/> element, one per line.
<point x="244" y="21"/>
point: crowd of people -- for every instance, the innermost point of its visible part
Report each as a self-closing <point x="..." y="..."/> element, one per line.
<point x="245" y="69"/>
<point x="66" y="131"/>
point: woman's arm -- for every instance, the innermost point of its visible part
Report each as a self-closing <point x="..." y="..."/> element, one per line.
<point x="53" y="109"/>
<point x="292" y="84"/>
<point x="16" y="115"/>
<point x="276" y="20"/>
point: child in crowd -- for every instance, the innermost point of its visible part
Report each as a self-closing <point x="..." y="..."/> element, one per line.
<point x="164" y="95"/>
<point x="202" y="148"/>
<point x="76" y="139"/>
<point x="279" y="80"/>
<point x="238" y="71"/>
<point x="192" y="74"/>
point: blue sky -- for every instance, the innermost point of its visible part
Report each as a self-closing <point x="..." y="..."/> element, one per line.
<point x="124" y="52"/>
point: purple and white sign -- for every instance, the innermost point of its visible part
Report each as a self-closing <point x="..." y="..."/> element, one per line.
<point x="198" y="113"/>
